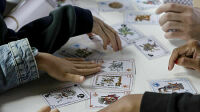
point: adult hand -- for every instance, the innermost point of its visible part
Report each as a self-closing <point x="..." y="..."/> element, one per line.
<point x="185" y="20"/>
<point x="48" y="109"/>
<point x="129" y="103"/>
<point x="187" y="55"/>
<point x="107" y="33"/>
<point x="66" y="69"/>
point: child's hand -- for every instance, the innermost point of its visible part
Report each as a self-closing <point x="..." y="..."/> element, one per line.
<point x="107" y="33"/>
<point x="48" y="109"/>
<point x="66" y="69"/>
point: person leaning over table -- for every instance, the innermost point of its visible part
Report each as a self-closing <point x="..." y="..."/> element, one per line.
<point x="186" y="20"/>
<point x="20" y="63"/>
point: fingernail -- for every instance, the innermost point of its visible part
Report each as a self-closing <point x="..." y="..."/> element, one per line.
<point x="82" y="78"/>
<point x="176" y="62"/>
<point x="169" y="68"/>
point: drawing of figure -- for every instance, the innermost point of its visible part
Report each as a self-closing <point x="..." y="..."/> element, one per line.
<point x="142" y="17"/>
<point x="83" y="53"/>
<point x="109" y="81"/>
<point x="116" y="66"/>
<point x="172" y="87"/>
<point x="108" y="99"/>
<point x="115" y="5"/>
<point x="124" y="30"/>
<point x="149" y="47"/>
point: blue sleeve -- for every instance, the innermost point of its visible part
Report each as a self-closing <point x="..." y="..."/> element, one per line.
<point x="17" y="64"/>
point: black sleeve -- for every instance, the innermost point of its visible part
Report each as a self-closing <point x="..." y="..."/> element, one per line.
<point x="49" y="33"/>
<point x="156" y="102"/>
<point x="2" y="6"/>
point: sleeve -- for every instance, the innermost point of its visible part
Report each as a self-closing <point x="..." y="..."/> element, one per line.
<point x="156" y="102"/>
<point x="18" y="65"/>
<point x="49" y="33"/>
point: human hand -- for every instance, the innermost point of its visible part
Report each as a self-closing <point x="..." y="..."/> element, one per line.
<point x="48" y="109"/>
<point x="66" y="69"/>
<point x="107" y="33"/>
<point x="185" y="20"/>
<point x="187" y="55"/>
<point x="129" y="103"/>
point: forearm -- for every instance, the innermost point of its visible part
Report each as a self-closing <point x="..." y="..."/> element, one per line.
<point x="156" y="102"/>
<point x="18" y="64"/>
<point x="49" y="33"/>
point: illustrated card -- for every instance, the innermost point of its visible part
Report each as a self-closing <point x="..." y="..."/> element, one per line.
<point x="65" y="96"/>
<point x="172" y="86"/>
<point x="81" y="51"/>
<point x="115" y="5"/>
<point x="118" y="66"/>
<point x="113" y="81"/>
<point x="134" y="17"/>
<point x="183" y="2"/>
<point x="147" y="4"/>
<point x="59" y="3"/>
<point x="103" y="99"/>
<point x="128" y="33"/>
<point x="151" y="48"/>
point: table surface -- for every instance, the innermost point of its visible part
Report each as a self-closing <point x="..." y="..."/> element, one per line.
<point x="27" y="98"/>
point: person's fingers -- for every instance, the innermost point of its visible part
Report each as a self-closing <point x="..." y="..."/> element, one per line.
<point x="88" y="71"/>
<point x="103" y="36"/>
<point x="170" y="16"/>
<point x="180" y="35"/>
<point x="86" y="65"/>
<point x="98" y="30"/>
<point x="175" y="55"/>
<point x="188" y="63"/>
<point x="112" y="38"/>
<point x="109" y="35"/>
<point x="116" y="36"/>
<point x="171" y="7"/>
<point x="73" y="78"/>
<point x="55" y="110"/>
<point x="74" y="59"/>
<point x="173" y="25"/>
<point x="45" y="109"/>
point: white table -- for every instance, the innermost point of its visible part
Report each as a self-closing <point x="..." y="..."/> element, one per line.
<point x="27" y="98"/>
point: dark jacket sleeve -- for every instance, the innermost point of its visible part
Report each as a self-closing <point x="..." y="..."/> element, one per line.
<point x="49" y="33"/>
<point x="156" y="102"/>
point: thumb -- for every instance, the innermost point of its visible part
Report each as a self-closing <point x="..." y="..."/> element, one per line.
<point x="188" y="62"/>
